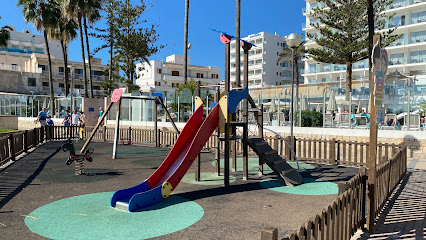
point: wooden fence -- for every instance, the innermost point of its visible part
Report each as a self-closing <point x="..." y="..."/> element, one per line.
<point x="347" y="213"/>
<point x="342" y="217"/>
<point x="20" y="142"/>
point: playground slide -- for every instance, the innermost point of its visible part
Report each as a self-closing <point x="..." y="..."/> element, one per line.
<point x="279" y="165"/>
<point x="166" y="178"/>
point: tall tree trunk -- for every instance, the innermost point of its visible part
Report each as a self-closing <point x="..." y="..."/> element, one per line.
<point x="66" y="78"/>
<point x="237" y="44"/>
<point x="49" y="60"/>
<point x="185" y="43"/>
<point x="88" y="57"/>
<point x="83" y="57"/>
<point x="348" y="80"/>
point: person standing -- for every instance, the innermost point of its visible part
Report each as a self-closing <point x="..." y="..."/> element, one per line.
<point x="101" y="112"/>
<point x="74" y="118"/>
<point x="67" y="118"/>
<point x="82" y="121"/>
<point x="41" y="117"/>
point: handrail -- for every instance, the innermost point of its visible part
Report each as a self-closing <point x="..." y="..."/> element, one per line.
<point x="291" y="149"/>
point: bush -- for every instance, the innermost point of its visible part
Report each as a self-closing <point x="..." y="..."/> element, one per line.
<point x="309" y="119"/>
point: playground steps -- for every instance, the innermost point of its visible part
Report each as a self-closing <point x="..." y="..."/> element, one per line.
<point x="279" y="165"/>
<point x="123" y="204"/>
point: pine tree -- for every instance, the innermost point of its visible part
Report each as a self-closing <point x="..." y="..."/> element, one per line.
<point x="343" y="32"/>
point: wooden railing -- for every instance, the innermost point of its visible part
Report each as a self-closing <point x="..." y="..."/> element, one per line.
<point x="20" y="142"/>
<point x="347" y="213"/>
<point x="342" y="217"/>
<point x="388" y="175"/>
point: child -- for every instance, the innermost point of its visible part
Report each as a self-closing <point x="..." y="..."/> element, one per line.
<point x="50" y="121"/>
<point x="82" y="121"/>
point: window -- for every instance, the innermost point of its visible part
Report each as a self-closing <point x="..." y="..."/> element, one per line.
<point x="61" y="69"/>
<point x="173" y="85"/>
<point x="159" y="70"/>
<point x="15" y="67"/>
<point x="175" y="73"/>
<point x="159" y="84"/>
<point x="277" y="73"/>
<point x="177" y="85"/>
<point x="97" y="87"/>
<point x="61" y="85"/>
<point x="200" y="75"/>
<point x="31" y="82"/>
<point x="43" y="67"/>
<point x="215" y="76"/>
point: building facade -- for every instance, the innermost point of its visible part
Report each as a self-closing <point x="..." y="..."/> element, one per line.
<point x="165" y="77"/>
<point x="264" y="67"/>
<point x="407" y="55"/>
<point x="25" y="58"/>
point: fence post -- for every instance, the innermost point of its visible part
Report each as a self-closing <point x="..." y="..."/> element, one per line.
<point x="26" y="141"/>
<point x="363" y="172"/>
<point x="269" y="233"/>
<point x="343" y="186"/>
<point x="42" y="134"/>
<point x="332" y="151"/>
<point x="105" y="134"/>
<point x="12" y="146"/>
<point x="287" y="148"/>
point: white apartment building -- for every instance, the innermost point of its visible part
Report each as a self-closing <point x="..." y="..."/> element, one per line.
<point x="25" y="59"/>
<point x="165" y="77"/>
<point x="264" y="68"/>
<point x="407" y="55"/>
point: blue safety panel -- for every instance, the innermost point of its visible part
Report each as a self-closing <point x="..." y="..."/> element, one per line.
<point x="235" y="98"/>
<point x="213" y="105"/>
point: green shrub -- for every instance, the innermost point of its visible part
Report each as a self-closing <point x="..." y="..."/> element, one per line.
<point x="309" y="119"/>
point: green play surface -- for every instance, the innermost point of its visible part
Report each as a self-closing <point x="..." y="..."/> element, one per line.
<point x="207" y="178"/>
<point x="309" y="187"/>
<point x="91" y="217"/>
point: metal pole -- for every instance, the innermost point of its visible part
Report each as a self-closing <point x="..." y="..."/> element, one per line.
<point x="279" y="107"/>
<point x="117" y="130"/>
<point x="323" y="106"/>
<point x="227" y="87"/>
<point x="178" y="107"/>
<point x="245" y="114"/>
<point x="157" y="143"/>
<point x="185" y="42"/>
<point x="72" y="90"/>
<point x="292" y="98"/>
<point x="408" y="108"/>
<point x="32" y="104"/>
<point x="350" y="109"/>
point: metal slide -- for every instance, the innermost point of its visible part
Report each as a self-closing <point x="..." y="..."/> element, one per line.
<point x="279" y="165"/>
<point x="168" y="175"/>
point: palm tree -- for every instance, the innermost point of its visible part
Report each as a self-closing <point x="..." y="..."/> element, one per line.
<point x="185" y="42"/>
<point x="91" y="14"/>
<point x="64" y="31"/>
<point x="4" y="36"/>
<point x="73" y="9"/>
<point x="40" y="13"/>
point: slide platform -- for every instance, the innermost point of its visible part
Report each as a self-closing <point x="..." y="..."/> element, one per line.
<point x="279" y="165"/>
<point x="165" y="179"/>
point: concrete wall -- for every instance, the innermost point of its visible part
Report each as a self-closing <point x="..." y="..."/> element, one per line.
<point x="8" y="122"/>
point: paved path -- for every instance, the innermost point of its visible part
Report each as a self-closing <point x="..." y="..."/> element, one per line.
<point x="404" y="216"/>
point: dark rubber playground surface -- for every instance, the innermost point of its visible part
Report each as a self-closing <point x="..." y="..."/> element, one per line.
<point x="46" y="197"/>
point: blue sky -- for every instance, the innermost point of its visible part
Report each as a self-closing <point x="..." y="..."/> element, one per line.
<point x="281" y="16"/>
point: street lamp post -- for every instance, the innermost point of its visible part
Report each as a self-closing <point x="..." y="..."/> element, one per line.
<point x="72" y="68"/>
<point x="293" y="41"/>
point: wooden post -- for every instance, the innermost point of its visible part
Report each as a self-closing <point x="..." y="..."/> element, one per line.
<point x="332" y="151"/>
<point x="12" y="147"/>
<point x="26" y="141"/>
<point x="105" y="134"/>
<point x="371" y="215"/>
<point x="269" y="233"/>
<point x="117" y="130"/>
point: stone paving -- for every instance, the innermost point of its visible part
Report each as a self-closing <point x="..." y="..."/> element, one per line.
<point x="404" y="216"/>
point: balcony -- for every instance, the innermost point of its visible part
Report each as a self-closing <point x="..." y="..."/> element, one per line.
<point x="11" y="67"/>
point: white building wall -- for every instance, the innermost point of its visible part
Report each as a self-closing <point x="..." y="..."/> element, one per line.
<point x="166" y="76"/>
<point x="264" y="68"/>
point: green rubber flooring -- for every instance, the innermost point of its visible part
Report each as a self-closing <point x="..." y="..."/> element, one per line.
<point x="91" y="217"/>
